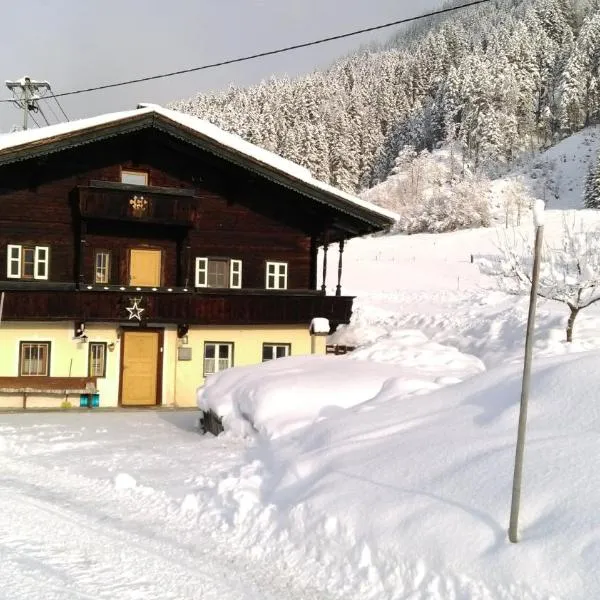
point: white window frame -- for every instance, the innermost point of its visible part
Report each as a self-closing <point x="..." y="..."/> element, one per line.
<point x="201" y="272"/>
<point x="105" y="266"/>
<point x="216" y="365"/>
<point x="48" y="350"/>
<point x="11" y="262"/>
<point x="280" y="269"/>
<point x="95" y="361"/>
<point x="134" y="174"/>
<point x="235" y="274"/>
<point x="41" y="257"/>
<point x="273" y="346"/>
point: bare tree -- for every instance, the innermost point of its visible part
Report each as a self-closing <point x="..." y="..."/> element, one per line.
<point x="569" y="272"/>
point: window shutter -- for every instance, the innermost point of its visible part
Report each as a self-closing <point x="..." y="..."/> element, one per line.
<point x="201" y="272"/>
<point x="235" y="274"/>
<point x="13" y="262"/>
<point x="282" y="284"/>
<point x="41" y="262"/>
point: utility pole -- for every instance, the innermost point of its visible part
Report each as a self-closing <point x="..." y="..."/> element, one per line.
<point x="27" y="94"/>
<point x="538" y="218"/>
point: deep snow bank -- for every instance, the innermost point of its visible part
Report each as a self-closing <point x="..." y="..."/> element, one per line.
<point x="408" y="497"/>
<point x="279" y="396"/>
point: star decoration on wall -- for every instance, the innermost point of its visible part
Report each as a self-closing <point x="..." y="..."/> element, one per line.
<point x="135" y="312"/>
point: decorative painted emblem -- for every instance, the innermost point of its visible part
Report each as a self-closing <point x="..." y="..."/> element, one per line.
<point x="140" y="206"/>
<point x="135" y="312"/>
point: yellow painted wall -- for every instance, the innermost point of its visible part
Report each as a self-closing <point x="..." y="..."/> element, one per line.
<point x="180" y="378"/>
<point x="66" y="355"/>
<point x="247" y="350"/>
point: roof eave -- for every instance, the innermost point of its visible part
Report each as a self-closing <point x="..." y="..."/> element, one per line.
<point x="368" y="221"/>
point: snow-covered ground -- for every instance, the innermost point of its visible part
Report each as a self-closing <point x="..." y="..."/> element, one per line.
<point x="383" y="474"/>
<point x="400" y="488"/>
<point x="128" y="506"/>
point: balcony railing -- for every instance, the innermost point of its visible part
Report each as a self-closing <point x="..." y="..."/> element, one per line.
<point x="252" y="308"/>
<point x="107" y="200"/>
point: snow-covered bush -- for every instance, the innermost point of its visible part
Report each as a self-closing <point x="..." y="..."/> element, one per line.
<point x="433" y="192"/>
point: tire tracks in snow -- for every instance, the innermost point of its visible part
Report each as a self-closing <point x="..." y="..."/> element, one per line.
<point x="89" y="518"/>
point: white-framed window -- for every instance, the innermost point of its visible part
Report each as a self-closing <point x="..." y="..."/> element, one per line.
<point x="271" y="351"/>
<point x="27" y="262"/>
<point x="218" y="356"/>
<point x="277" y="273"/>
<point x="134" y="177"/>
<point x="97" y="359"/>
<point x="218" y="273"/>
<point x="102" y="266"/>
<point x="34" y="359"/>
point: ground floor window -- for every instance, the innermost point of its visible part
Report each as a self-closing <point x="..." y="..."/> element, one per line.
<point x="218" y="356"/>
<point x="97" y="359"/>
<point x="34" y="359"/>
<point x="271" y="351"/>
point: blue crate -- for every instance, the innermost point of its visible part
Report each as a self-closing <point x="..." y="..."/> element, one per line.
<point x="89" y="400"/>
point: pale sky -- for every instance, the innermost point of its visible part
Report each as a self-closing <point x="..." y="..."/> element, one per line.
<point x="83" y="43"/>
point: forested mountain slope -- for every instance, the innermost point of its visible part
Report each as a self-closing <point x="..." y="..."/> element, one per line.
<point x="496" y="80"/>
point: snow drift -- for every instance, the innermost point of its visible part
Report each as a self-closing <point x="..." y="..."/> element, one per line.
<point x="406" y="496"/>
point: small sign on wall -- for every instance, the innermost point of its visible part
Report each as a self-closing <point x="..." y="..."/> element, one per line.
<point x="184" y="353"/>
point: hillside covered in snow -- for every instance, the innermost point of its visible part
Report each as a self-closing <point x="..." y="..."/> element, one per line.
<point x="500" y="80"/>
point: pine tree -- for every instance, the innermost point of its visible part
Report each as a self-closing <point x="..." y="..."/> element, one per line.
<point x="591" y="197"/>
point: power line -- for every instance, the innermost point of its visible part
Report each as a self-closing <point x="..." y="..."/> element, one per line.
<point x="59" y="105"/>
<point x="51" y="109"/>
<point x="267" y="53"/>
<point x="39" y="109"/>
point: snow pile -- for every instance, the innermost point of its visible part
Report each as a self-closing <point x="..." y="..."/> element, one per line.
<point x="124" y="481"/>
<point x="433" y="191"/>
<point x="408" y="496"/>
<point x="282" y="395"/>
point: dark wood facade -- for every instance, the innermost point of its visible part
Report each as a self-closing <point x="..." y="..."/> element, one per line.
<point x="196" y="204"/>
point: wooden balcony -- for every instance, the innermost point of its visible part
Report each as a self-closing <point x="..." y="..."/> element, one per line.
<point x="192" y="308"/>
<point x="117" y="201"/>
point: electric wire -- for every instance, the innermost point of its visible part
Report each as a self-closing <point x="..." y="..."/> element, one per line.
<point x="33" y="119"/>
<point x="267" y="53"/>
<point x="49" y="106"/>
<point x="59" y="105"/>
<point x="39" y="109"/>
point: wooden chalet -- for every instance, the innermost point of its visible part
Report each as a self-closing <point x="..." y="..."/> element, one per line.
<point x="141" y="251"/>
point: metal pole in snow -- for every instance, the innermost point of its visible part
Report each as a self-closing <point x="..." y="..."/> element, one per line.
<point x="513" y="533"/>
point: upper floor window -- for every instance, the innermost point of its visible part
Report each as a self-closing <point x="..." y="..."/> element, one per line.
<point x="34" y="359"/>
<point x="277" y="276"/>
<point x="218" y="273"/>
<point x="27" y="262"/>
<point x="102" y="266"/>
<point x="134" y="177"/>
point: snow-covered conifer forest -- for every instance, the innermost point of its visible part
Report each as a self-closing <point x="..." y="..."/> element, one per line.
<point x="493" y="82"/>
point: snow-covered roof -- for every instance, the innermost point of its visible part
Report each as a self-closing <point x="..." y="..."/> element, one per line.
<point x="15" y="146"/>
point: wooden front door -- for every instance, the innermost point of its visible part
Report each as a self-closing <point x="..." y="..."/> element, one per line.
<point x="144" y="267"/>
<point x="141" y="366"/>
